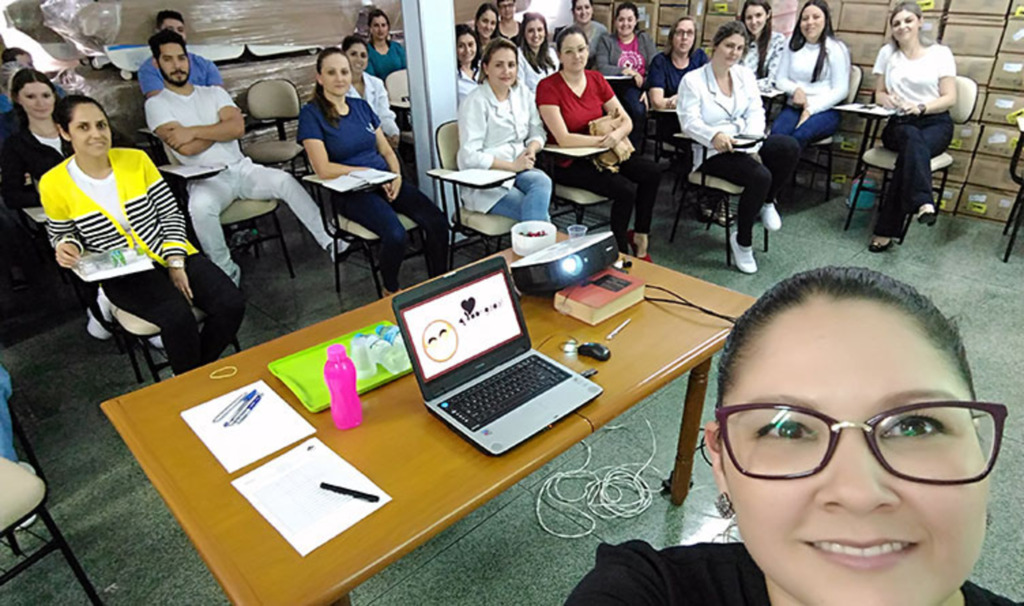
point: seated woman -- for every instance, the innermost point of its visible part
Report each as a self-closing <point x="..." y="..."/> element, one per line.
<point x="370" y="88"/>
<point x="468" y="57"/>
<point x="342" y="135"/>
<point x="386" y="55"/>
<point x="508" y="27"/>
<point x="918" y="79"/>
<point x="860" y="483"/>
<point x="626" y="52"/>
<point x="583" y="18"/>
<point x="720" y="105"/>
<point x="569" y="101"/>
<point x="101" y="199"/>
<point x="499" y="128"/>
<point x="485" y="23"/>
<point x="537" y="58"/>
<point x="815" y="73"/>
<point x="6" y="429"/>
<point x="765" y="47"/>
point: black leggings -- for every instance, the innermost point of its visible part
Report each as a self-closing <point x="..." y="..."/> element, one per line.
<point x="153" y="297"/>
<point x="761" y="181"/>
<point x="636" y="184"/>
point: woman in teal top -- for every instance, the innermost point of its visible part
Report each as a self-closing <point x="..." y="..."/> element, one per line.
<point x="385" y="56"/>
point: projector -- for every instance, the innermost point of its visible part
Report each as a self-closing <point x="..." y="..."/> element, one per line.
<point x="565" y="263"/>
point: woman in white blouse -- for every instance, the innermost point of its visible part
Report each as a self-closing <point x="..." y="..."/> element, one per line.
<point x="918" y="80"/>
<point x="369" y="88"/>
<point x="720" y="109"/>
<point x="467" y="53"/>
<point x="764" y="48"/>
<point x="499" y="128"/>
<point x="537" y="59"/>
<point x="815" y="73"/>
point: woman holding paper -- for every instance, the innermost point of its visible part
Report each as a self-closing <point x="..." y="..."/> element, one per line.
<point x="500" y="129"/>
<point x="918" y="80"/>
<point x="720" y="109"/>
<point x="341" y="136"/>
<point x="102" y="199"/>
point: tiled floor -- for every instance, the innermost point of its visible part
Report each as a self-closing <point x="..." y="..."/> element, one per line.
<point x="136" y="553"/>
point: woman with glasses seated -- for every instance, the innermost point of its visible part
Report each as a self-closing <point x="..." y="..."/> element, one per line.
<point x="849" y="450"/>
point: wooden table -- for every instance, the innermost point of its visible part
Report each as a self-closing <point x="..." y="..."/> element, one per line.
<point x="434" y="476"/>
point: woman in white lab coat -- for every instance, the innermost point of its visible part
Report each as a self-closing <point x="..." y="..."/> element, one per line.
<point x="720" y="109"/>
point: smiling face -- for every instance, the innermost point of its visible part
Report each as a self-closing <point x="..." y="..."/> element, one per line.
<point x="905" y="26"/>
<point x="625" y="24"/>
<point x="851" y="359"/>
<point x="729" y="51"/>
<point x="683" y="37"/>
<point x="500" y="71"/>
<point x="507" y="10"/>
<point x="582" y="12"/>
<point x="485" y="26"/>
<point x="812" y="23"/>
<point x="36" y="98"/>
<point x="440" y="341"/>
<point x="754" y="18"/>
<point x="379" y="29"/>
<point x="573" y="54"/>
<point x="534" y="32"/>
<point x="466" y="47"/>
<point x="88" y="131"/>
<point x="357" y="59"/>
<point x="335" y="75"/>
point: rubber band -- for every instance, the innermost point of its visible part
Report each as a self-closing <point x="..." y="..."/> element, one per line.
<point x="224" y="372"/>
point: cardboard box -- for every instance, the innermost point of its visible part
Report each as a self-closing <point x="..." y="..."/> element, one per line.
<point x="715" y="7"/>
<point x="978" y="69"/>
<point x="976" y="36"/>
<point x="1017" y="9"/>
<point x="979" y="105"/>
<point x="864" y="18"/>
<point x="979" y="7"/>
<point x="711" y="25"/>
<point x="965" y="137"/>
<point x="927" y="6"/>
<point x="668" y="15"/>
<point x="997" y="140"/>
<point x="848" y="142"/>
<point x="835" y="9"/>
<point x="949" y="196"/>
<point x="991" y="171"/>
<point x="603" y="15"/>
<point x="961" y="165"/>
<point x="1013" y="36"/>
<point x="1008" y="72"/>
<point x="1000" y="106"/>
<point x="986" y="202"/>
<point x="863" y="47"/>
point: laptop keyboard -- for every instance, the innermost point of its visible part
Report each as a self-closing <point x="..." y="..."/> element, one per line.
<point x="511" y="388"/>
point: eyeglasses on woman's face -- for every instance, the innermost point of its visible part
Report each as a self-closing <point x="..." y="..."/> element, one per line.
<point x="941" y="443"/>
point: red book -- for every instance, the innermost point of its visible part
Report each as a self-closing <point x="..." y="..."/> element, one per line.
<point x="603" y="295"/>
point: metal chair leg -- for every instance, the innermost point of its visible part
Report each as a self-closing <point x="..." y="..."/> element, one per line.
<point x="284" y="247"/>
<point x="373" y="269"/>
<point x="129" y="344"/>
<point x="149" y="359"/>
<point x="69" y="556"/>
<point x="828" y="175"/>
<point x="12" y="542"/>
<point x="1016" y="213"/>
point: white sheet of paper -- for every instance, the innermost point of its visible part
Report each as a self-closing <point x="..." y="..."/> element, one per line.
<point x="136" y="266"/>
<point x="860" y="108"/>
<point x="344" y="183"/>
<point x="270" y="426"/>
<point x="481" y="176"/>
<point x="373" y="176"/>
<point x="286" y="491"/>
<point x="188" y="172"/>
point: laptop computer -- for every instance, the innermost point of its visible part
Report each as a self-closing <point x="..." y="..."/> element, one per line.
<point x="472" y="356"/>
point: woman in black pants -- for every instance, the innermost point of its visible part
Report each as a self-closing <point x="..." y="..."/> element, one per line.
<point x="720" y="109"/>
<point x="918" y="79"/>
<point x="568" y="101"/>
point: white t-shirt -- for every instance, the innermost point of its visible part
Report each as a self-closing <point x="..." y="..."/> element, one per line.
<point x="916" y="81"/>
<point x="101" y="191"/>
<point x="53" y="142"/>
<point x="201" y="108"/>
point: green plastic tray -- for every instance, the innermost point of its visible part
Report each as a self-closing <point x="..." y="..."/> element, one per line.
<point x="303" y="371"/>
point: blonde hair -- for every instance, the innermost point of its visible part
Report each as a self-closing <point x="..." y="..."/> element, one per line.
<point x="492" y="47"/>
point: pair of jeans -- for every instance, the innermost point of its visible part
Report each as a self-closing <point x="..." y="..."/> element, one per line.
<point x="820" y="125"/>
<point x="629" y="95"/>
<point x="761" y="181"/>
<point x="153" y="297"/>
<point x="528" y="200"/>
<point x="371" y="210"/>
<point x="916" y="140"/>
<point x="6" y="429"/>
<point x="635" y="185"/>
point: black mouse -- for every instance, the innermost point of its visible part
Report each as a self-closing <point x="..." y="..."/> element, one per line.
<point x="594" y="350"/>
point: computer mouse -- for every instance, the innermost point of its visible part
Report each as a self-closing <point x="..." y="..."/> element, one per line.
<point x="594" y="350"/>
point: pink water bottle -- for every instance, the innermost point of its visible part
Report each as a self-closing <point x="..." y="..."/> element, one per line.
<point x="340" y="375"/>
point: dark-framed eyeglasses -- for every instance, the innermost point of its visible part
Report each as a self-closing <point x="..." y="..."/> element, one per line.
<point x="941" y="443"/>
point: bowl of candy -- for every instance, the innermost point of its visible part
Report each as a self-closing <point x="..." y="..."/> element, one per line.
<point x="530" y="236"/>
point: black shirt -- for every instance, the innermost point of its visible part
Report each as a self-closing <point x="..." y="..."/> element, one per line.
<point x="635" y="573"/>
<point x="22" y="155"/>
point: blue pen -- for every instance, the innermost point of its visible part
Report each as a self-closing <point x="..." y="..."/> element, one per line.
<point x="242" y="405"/>
<point x="245" y="412"/>
<point x="240" y="400"/>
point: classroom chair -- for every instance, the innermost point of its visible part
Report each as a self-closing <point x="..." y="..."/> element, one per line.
<point x="277" y="102"/>
<point x="825" y="144"/>
<point x="1015" y="212"/>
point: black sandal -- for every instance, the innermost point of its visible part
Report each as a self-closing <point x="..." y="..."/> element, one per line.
<point x="875" y="247"/>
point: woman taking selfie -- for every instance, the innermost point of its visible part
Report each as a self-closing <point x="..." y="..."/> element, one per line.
<point x="765" y="46"/>
<point x="850" y="483"/>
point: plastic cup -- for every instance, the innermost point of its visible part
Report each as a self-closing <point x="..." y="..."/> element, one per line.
<point x="576" y="231"/>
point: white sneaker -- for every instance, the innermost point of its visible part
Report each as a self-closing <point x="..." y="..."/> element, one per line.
<point x="770" y="217"/>
<point x="31" y="520"/>
<point x="157" y="342"/>
<point x="95" y="329"/>
<point x="742" y="256"/>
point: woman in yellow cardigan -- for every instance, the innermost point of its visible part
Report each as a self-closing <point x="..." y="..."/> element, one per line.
<point x="101" y="199"/>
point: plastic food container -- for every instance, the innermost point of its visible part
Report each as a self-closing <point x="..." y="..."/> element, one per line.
<point x="530" y="236"/>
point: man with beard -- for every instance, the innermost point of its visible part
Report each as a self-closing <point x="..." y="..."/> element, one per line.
<point x="202" y="127"/>
<point x="202" y="73"/>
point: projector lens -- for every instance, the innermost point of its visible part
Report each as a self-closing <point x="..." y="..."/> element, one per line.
<point x="572" y="265"/>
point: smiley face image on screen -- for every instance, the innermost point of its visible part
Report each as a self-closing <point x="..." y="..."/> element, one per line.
<point x="440" y="341"/>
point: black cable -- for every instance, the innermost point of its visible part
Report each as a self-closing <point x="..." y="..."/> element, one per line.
<point x="680" y="300"/>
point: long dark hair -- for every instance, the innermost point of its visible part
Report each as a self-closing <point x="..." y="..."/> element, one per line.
<point x="798" y="40"/>
<point x="629" y="6"/>
<point x="464" y="30"/>
<point x="320" y="99"/>
<point x="541" y="60"/>
<point x="24" y="76"/>
<point x="841" y="284"/>
<point x="766" y="33"/>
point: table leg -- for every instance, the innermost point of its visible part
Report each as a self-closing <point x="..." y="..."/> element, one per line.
<point x="342" y="601"/>
<point x="693" y="407"/>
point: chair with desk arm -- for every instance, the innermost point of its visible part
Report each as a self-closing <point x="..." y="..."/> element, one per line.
<point x="825" y="144"/>
<point x="276" y="102"/>
<point x="1017" y="211"/>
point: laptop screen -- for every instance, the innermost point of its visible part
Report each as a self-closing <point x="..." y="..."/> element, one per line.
<point x="458" y="326"/>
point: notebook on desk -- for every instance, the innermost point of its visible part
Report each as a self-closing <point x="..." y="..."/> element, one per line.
<point x="473" y="360"/>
